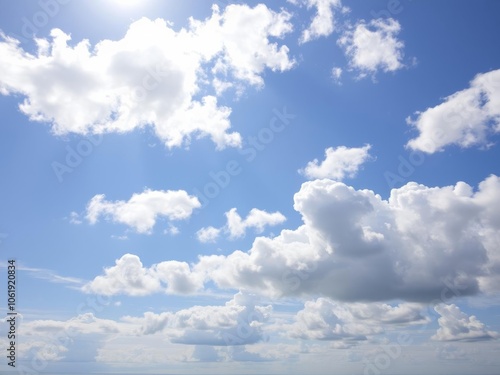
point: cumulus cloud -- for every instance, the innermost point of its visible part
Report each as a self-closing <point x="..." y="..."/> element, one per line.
<point x="339" y="163"/>
<point x="236" y="227"/>
<point x="323" y="23"/>
<point x="420" y="244"/>
<point x="208" y="234"/>
<point x="454" y="325"/>
<point x="142" y="210"/>
<point x="324" y="319"/>
<point x="257" y="219"/>
<point x="238" y="322"/>
<point x="318" y="321"/>
<point x="85" y="323"/>
<point x="465" y="118"/>
<point x="152" y="77"/>
<point x="373" y="46"/>
<point x="77" y="338"/>
<point x="129" y="276"/>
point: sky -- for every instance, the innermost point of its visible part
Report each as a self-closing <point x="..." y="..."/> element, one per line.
<point x="243" y="187"/>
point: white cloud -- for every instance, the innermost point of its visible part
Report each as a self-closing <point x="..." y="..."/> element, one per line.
<point x="454" y="325"/>
<point x="142" y="210"/>
<point x="85" y="323"/>
<point x="323" y="319"/>
<point x="208" y="234"/>
<point x="318" y="321"/>
<point x="339" y="163"/>
<point x="257" y="219"/>
<point x="223" y="33"/>
<point x="238" y="322"/>
<point x="337" y="74"/>
<point x="128" y="276"/>
<point x="374" y="46"/>
<point x="419" y="245"/>
<point x="236" y="227"/>
<point x="323" y="23"/>
<point x="465" y="118"/>
<point x="171" y="229"/>
<point x="77" y="338"/>
<point x="74" y="218"/>
<point x="152" y="77"/>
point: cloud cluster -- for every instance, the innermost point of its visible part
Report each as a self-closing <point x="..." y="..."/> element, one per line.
<point x="238" y="322"/>
<point x="152" y="77"/>
<point x="129" y="276"/>
<point x="324" y="319"/>
<point x="142" y="210"/>
<point x="339" y="163"/>
<point x="454" y="325"/>
<point x="420" y="244"/>
<point x="373" y="46"/>
<point x="465" y="118"/>
<point x="236" y="227"/>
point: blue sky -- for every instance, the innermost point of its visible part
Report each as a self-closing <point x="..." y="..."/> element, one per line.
<point x="251" y="187"/>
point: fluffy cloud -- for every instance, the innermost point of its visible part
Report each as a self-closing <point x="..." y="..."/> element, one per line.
<point x="152" y="77"/>
<point x="374" y="46"/>
<point x="208" y="234"/>
<point x="142" y="210"/>
<point x="465" y="118"/>
<point x="323" y="23"/>
<point x="236" y="227"/>
<point x="339" y="163"/>
<point x="85" y="323"/>
<point x="454" y="325"/>
<point x="77" y="338"/>
<point x="421" y="244"/>
<point x="257" y="219"/>
<point x="238" y="322"/>
<point x="318" y="321"/>
<point x="324" y="319"/>
<point x="129" y="276"/>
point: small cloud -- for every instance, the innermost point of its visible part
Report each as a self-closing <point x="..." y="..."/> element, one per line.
<point x="74" y="218"/>
<point x="142" y="210"/>
<point x="466" y="118"/>
<point x="236" y="226"/>
<point x="208" y="234"/>
<point x="339" y="163"/>
<point x="121" y="238"/>
<point x="323" y="23"/>
<point x="336" y="75"/>
<point x="172" y="230"/>
<point x="373" y="46"/>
